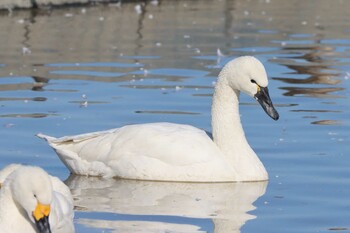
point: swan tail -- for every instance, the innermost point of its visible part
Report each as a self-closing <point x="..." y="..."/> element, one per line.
<point x="71" y="158"/>
<point x="45" y="137"/>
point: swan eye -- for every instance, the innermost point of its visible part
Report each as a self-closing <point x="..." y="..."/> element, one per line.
<point x="258" y="87"/>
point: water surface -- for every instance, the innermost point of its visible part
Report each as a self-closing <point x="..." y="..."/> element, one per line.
<point x="80" y="69"/>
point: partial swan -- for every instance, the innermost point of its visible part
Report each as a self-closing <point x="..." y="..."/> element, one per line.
<point x="176" y="152"/>
<point x="31" y="201"/>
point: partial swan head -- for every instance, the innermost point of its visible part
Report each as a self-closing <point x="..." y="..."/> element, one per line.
<point x="6" y="171"/>
<point x="247" y="74"/>
<point x="32" y="189"/>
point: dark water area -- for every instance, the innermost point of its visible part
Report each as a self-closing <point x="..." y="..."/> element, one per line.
<point x="80" y="69"/>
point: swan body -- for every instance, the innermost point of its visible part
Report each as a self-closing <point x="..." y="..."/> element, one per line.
<point x="24" y="189"/>
<point x="176" y="152"/>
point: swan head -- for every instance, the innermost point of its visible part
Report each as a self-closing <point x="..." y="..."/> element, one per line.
<point x="248" y="74"/>
<point x="32" y="190"/>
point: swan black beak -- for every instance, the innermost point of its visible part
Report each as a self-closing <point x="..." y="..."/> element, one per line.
<point x="43" y="225"/>
<point x="41" y="217"/>
<point x="263" y="97"/>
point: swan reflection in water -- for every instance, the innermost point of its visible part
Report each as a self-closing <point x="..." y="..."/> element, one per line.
<point x="226" y="204"/>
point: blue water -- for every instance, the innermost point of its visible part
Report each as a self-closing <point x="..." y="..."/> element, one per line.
<point x="107" y="66"/>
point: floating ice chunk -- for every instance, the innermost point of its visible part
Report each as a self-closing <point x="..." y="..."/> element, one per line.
<point x="347" y="76"/>
<point x="332" y="133"/>
<point x="219" y="53"/>
<point x="26" y="50"/>
<point x="138" y="9"/>
<point x="9" y="125"/>
<point x="178" y="88"/>
<point x="118" y="4"/>
<point x="154" y="2"/>
<point x="84" y="104"/>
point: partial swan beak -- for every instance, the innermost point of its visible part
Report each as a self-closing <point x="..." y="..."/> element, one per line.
<point x="41" y="217"/>
<point x="263" y="97"/>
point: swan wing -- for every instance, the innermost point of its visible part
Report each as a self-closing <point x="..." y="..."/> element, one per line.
<point x="156" y="151"/>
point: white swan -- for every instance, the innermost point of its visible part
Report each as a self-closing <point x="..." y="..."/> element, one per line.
<point x="175" y="152"/>
<point x="32" y="201"/>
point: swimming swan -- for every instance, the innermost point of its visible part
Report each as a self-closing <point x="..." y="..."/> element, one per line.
<point x="31" y="201"/>
<point x="176" y="152"/>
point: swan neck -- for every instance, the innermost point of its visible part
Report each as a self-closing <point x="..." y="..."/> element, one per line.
<point x="226" y="124"/>
<point x="229" y="136"/>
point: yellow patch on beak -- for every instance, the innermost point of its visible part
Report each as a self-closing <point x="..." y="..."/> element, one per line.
<point x="41" y="211"/>
<point x="258" y="88"/>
